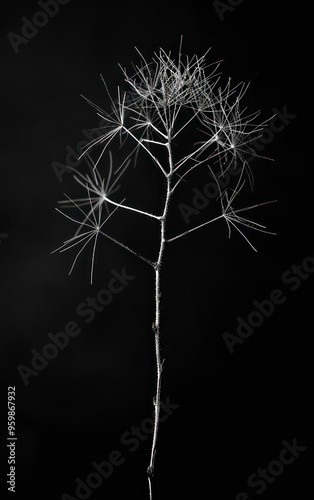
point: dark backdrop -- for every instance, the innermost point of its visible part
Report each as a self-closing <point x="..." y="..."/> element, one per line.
<point x="229" y="412"/>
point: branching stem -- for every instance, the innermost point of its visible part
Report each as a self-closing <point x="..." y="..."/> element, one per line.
<point x="156" y="324"/>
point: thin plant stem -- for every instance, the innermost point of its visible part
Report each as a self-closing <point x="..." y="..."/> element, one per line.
<point x="156" y="325"/>
<point x="120" y="205"/>
<point x="194" y="229"/>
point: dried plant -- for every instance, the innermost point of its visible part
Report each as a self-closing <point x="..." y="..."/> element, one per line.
<point x="168" y="100"/>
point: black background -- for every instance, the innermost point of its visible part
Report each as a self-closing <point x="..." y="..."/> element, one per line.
<point x="234" y="409"/>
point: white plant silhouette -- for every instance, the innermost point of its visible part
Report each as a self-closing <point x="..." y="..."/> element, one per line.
<point x="166" y="100"/>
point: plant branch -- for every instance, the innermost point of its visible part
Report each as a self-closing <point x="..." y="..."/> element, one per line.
<point x="202" y="147"/>
<point x="155" y="142"/>
<point x="140" y="142"/>
<point x="186" y="124"/>
<point x="126" y="207"/>
<point x="197" y="164"/>
<point x="194" y="229"/>
<point x="151" y="263"/>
